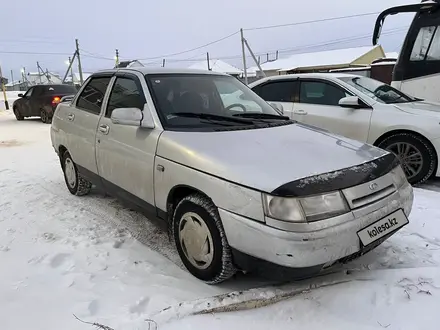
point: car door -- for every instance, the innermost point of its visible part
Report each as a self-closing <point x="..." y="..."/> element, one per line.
<point x="125" y="154"/>
<point x="25" y="104"/>
<point x="319" y="106"/>
<point x="82" y="119"/>
<point x="280" y="91"/>
<point x="36" y="100"/>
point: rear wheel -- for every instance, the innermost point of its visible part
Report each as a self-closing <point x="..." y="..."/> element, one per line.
<point x="76" y="184"/>
<point x="417" y="156"/>
<point x="17" y="114"/>
<point x="201" y="241"/>
<point x="44" y="116"/>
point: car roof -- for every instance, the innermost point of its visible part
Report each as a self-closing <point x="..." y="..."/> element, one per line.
<point x="322" y="75"/>
<point x="147" y="71"/>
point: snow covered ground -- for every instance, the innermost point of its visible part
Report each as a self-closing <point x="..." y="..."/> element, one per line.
<point x="62" y="255"/>
<point x="11" y="96"/>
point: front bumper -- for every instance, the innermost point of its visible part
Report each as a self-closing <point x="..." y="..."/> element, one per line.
<point x="313" y="248"/>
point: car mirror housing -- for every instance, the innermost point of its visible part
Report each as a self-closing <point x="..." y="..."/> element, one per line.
<point x="20" y="95"/>
<point x="352" y="102"/>
<point x="133" y="117"/>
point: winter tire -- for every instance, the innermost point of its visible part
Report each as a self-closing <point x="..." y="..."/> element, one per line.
<point x="44" y="116"/>
<point x="76" y="184"/>
<point x="417" y="156"/>
<point x="17" y="114"/>
<point x="201" y="241"/>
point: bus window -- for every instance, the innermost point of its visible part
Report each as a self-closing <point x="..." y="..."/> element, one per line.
<point x="421" y="45"/>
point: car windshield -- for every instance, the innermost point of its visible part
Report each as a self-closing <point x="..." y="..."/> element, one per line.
<point x="377" y="90"/>
<point x="207" y="100"/>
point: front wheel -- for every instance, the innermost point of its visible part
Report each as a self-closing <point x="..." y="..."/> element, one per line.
<point x="201" y="241"/>
<point x="76" y="184"/>
<point x="17" y="114"/>
<point x="417" y="157"/>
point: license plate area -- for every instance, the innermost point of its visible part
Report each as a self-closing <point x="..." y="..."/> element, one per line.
<point x="382" y="227"/>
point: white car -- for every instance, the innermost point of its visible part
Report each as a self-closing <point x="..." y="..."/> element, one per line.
<point x="363" y="109"/>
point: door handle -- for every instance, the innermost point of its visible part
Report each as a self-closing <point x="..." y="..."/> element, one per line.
<point x="300" y="112"/>
<point x="104" y="129"/>
<point x="71" y="116"/>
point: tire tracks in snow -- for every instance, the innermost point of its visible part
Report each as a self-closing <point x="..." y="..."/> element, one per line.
<point x="109" y="210"/>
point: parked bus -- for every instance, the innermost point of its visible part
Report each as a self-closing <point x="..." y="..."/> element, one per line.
<point x="417" y="70"/>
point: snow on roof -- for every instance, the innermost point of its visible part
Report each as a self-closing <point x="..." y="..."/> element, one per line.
<point x="392" y="55"/>
<point x="13" y="83"/>
<point x="329" y="57"/>
<point x="216" y="66"/>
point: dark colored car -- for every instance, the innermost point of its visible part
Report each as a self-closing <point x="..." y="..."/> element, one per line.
<point x="41" y="101"/>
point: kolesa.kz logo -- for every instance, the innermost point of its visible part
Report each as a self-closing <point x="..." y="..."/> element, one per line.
<point x="386" y="226"/>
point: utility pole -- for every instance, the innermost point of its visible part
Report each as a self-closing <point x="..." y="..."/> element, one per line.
<point x="71" y="70"/>
<point x="253" y="56"/>
<point x="163" y="63"/>
<point x="70" y="66"/>
<point x="47" y="75"/>
<point x="12" y="78"/>
<point x="26" y="83"/>
<point x="79" y="62"/>
<point x="244" y="57"/>
<point x="39" y="74"/>
<point x="4" y="89"/>
<point x="207" y="60"/>
<point x="117" y="57"/>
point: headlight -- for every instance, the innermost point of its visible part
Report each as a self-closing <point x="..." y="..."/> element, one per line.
<point x="306" y="209"/>
<point x="399" y="177"/>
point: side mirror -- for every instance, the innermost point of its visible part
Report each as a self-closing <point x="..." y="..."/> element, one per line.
<point x="131" y="117"/>
<point x="277" y="106"/>
<point x="351" y="102"/>
<point x="20" y="95"/>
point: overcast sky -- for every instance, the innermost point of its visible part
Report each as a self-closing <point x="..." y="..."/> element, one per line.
<point x="146" y="29"/>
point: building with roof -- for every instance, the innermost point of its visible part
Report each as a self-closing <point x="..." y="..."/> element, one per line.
<point x="217" y="66"/>
<point x="129" y="64"/>
<point x="76" y="78"/>
<point x="323" y="61"/>
<point x="38" y="78"/>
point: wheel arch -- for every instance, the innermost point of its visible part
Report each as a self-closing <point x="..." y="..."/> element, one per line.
<point x="407" y="131"/>
<point x="176" y="194"/>
<point x="61" y="150"/>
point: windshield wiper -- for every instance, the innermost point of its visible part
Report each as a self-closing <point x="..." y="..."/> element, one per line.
<point x="259" y="115"/>
<point x="210" y="116"/>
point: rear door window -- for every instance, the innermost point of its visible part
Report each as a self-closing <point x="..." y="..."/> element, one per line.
<point x="278" y="91"/>
<point x="93" y="94"/>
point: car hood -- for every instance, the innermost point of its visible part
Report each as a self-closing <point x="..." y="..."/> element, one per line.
<point x="266" y="158"/>
<point x="420" y="108"/>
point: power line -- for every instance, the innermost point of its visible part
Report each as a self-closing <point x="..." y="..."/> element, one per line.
<point x="310" y="22"/>
<point x="32" y="53"/>
<point x="291" y="49"/>
<point x="192" y="49"/>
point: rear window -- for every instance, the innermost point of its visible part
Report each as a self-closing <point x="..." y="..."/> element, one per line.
<point x="60" y="89"/>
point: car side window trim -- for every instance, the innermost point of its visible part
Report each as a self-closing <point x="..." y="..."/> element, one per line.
<point x="324" y="81"/>
<point x="104" y="101"/>
<point x="29" y="91"/>
<point x="111" y="86"/>
<point x="259" y="88"/>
